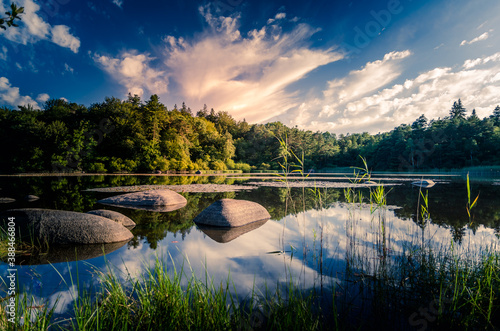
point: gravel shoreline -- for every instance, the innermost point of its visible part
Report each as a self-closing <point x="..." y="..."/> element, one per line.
<point x="190" y="188"/>
<point x="214" y="188"/>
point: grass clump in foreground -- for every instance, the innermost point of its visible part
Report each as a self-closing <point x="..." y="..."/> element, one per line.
<point x="166" y="301"/>
<point x="422" y="289"/>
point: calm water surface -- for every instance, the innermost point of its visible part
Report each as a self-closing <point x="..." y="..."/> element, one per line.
<point x="310" y="238"/>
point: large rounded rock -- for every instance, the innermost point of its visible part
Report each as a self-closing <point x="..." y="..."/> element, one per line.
<point x="232" y="213"/>
<point x="114" y="216"/>
<point x="154" y="200"/>
<point x="425" y="183"/>
<point x="65" y="227"/>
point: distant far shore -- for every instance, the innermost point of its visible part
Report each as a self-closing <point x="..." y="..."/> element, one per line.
<point x="482" y="171"/>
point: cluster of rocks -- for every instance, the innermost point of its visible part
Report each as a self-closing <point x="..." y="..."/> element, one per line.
<point x="223" y="221"/>
<point x="95" y="227"/>
<point x="29" y="198"/>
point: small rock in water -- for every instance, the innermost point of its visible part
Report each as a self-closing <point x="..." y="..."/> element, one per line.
<point x="232" y="213"/>
<point x="7" y="200"/>
<point x="426" y="183"/>
<point x="31" y="198"/>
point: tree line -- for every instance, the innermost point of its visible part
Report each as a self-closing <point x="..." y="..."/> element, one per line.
<point x="133" y="135"/>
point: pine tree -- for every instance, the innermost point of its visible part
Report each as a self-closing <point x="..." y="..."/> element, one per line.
<point x="474" y="116"/>
<point x="420" y="123"/>
<point x="457" y="111"/>
<point x="496" y="112"/>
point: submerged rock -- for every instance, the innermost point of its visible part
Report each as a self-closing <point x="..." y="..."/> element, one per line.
<point x="31" y="198"/>
<point x="426" y="183"/>
<point x="65" y="227"/>
<point x="114" y="216"/>
<point x="232" y="213"/>
<point x="224" y="235"/>
<point x="7" y="200"/>
<point x="153" y="200"/>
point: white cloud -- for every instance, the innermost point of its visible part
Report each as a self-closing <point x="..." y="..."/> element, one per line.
<point x="43" y="97"/>
<point x="484" y="36"/>
<point x="10" y="95"/>
<point x="132" y="70"/>
<point x="3" y="53"/>
<point x="351" y="109"/>
<point x="67" y="68"/>
<point x="119" y="3"/>
<point x="278" y="16"/>
<point x="372" y="77"/>
<point x="245" y="75"/>
<point x="62" y="37"/>
<point x="32" y="28"/>
<point x="469" y="64"/>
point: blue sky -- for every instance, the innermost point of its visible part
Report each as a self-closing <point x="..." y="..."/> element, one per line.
<point x="338" y="66"/>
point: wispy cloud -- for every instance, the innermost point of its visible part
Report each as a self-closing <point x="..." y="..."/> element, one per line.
<point x="373" y="76"/>
<point x="484" y="36"/>
<point x="350" y="109"/>
<point x="33" y="28"/>
<point x="278" y="16"/>
<point x="119" y="3"/>
<point x="62" y="37"/>
<point x="133" y="71"/>
<point x="69" y="69"/>
<point x="246" y="75"/>
<point x="3" y="53"/>
<point x="10" y="95"/>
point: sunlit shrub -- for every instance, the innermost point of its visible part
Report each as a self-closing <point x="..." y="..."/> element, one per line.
<point x="97" y="167"/>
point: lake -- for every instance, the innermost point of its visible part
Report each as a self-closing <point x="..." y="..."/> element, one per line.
<point x="312" y="238"/>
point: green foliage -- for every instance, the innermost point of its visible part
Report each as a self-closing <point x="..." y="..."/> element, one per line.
<point x="470" y="204"/>
<point x="137" y="136"/>
<point x="12" y="15"/>
<point x="457" y="111"/>
<point x="97" y="167"/>
<point x="243" y="167"/>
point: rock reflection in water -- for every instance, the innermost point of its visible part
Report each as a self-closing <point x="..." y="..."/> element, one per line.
<point x="68" y="253"/>
<point x="225" y="235"/>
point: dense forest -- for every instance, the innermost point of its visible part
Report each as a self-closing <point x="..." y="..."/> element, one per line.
<point x="144" y="136"/>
